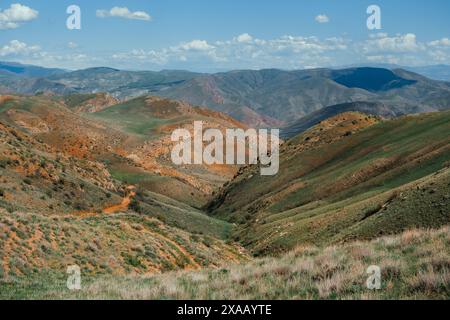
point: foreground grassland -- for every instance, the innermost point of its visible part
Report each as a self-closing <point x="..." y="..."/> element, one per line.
<point x="414" y="265"/>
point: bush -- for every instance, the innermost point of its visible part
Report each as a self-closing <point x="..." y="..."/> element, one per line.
<point x="80" y="206"/>
<point x="135" y="206"/>
<point x="368" y="212"/>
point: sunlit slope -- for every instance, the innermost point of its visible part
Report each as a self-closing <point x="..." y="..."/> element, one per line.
<point x="56" y="161"/>
<point x="347" y="177"/>
<point x="151" y="120"/>
<point x="132" y="138"/>
<point x="58" y="206"/>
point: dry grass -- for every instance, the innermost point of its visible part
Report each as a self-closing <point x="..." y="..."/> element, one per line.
<point x="337" y="272"/>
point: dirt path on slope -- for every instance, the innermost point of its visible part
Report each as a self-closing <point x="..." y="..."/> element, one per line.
<point x="122" y="206"/>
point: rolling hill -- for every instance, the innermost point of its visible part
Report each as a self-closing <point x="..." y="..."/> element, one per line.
<point x="132" y="138"/>
<point x="61" y="201"/>
<point x="86" y="180"/>
<point x="120" y="84"/>
<point x="436" y="72"/>
<point x="306" y="122"/>
<point x="150" y="121"/>
<point x="352" y="176"/>
<point x="24" y="70"/>
<point x="275" y="97"/>
<point x="258" y="98"/>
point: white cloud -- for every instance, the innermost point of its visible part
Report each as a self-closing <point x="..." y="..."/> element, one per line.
<point x="290" y="52"/>
<point x="15" y="15"/>
<point x="152" y="56"/>
<point x="322" y="18"/>
<point x="399" y="43"/>
<point x="440" y="56"/>
<point x="378" y="35"/>
<point x="444" y="42"/>
<point x="404" y="50"/>
<point x="245" y="37"/>
<point x="199" y="45"/>
<point x="17" y="48"/>
<point x="243" y="51"/>
<point x="124" y="12"/>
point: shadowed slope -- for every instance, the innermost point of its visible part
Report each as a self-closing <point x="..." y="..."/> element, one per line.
<point x="338" y="182"/>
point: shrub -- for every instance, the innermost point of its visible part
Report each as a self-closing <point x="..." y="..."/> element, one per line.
<point x="368" y="212"/>
<point x="80" y="206"/>
<point x="135" y="206"/>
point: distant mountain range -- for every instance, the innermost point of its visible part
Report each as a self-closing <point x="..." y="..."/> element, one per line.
<point x="276" y="97"/>
<point x="19" y="69"/>
<point x="435" y="72"/>
<point x="271" y="97"/>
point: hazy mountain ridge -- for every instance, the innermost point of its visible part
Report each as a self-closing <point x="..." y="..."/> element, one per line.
<point x="288" y="95"/>
<point x="28" y="70"/>
<point x="436" y="72"/>
<point x="263" y="98"/>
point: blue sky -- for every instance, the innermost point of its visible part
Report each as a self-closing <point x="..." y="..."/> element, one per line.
<point x="210" y="35"/>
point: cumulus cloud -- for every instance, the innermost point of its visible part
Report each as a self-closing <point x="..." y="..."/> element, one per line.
<point x="404" y="49"/>
<point x="399" y="43"/>
<point x="291" y="52"/>
<point x="15" y="15"/>
<point x="245" y="37"/>
<point x="124" y="12"/>
<point x="199" y="45"/>
<point x="444" y="42"/>
<point x="244" y="51"/>
<point x="322" y="18"/>
<point x="17" y="48"/>
<point x="440" y="56"/>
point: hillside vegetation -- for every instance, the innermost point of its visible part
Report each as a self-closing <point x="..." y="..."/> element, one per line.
<point x="350" y="177"/>
<point x="131" y="139"/>
<point x="88" y="180"/>
<point x="414" y="265"/>
<point x="61" y="201"/>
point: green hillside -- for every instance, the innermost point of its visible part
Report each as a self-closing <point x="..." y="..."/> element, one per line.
<point x="338" y="182"/>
